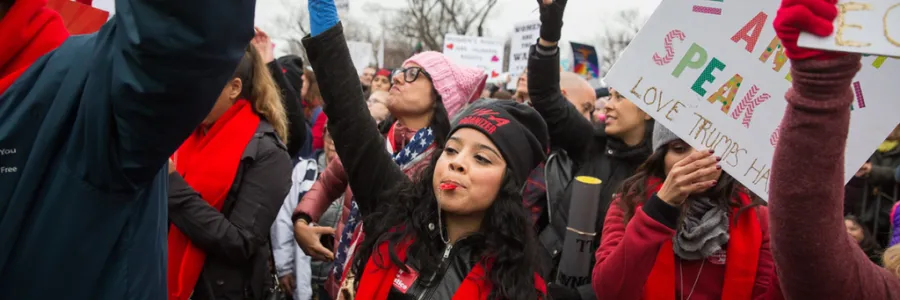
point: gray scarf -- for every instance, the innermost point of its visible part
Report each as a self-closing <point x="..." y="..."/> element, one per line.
<point x="703" y="231"/>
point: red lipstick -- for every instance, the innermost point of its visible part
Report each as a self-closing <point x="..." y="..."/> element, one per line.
<point x="448" y="186"/>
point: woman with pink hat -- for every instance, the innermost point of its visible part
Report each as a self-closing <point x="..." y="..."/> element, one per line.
<point x="428" y="91"/>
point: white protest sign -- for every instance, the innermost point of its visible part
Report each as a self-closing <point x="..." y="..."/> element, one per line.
<point x="862" y="26"/>
<point x="478" y="52"/>
<point x="722" y="87"/>
<point x="524" y="35"/>
<point x="361" y="54"/>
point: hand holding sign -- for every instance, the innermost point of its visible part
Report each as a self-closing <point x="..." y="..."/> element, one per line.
<point x="861" y="26"/>
<point x="814" y="16"/>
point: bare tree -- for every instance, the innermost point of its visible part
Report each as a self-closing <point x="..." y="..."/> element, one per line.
<point x="619" y="32"/>
<point x="292" y="26"/>
<point x="428" y="21"/>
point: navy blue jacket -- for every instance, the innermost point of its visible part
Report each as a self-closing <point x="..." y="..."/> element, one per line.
<point x="85" y="136"/>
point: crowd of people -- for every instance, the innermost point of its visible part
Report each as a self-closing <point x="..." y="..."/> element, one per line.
<point x="161" y="159"/>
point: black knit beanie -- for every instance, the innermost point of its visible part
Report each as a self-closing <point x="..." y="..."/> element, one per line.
<point x="517" y="130"/>
<point x="292" y="66"/>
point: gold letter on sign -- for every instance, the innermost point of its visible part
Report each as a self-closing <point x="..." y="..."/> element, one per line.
<point x="839" y="36"/>
<point x="885" y="19"/>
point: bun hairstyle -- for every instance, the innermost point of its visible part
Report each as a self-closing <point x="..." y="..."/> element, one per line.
<point x="258" y="87"/>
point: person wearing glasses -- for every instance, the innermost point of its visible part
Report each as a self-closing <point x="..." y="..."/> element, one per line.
<point x="427" y="93"/>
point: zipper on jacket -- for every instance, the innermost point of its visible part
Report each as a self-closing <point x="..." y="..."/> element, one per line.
<point x="547" y="189"/>
<point x="441" y="269"/>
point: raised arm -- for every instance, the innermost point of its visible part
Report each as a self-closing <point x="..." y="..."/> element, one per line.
<point x="156" y="68"/>
<point x="567" y="126"/>
<point x="369" y="167"/>
<point x="818" y="117"/>
<point x="827" y="264"/>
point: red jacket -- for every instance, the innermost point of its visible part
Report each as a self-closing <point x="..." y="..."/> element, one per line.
<point x="627" y="254"/>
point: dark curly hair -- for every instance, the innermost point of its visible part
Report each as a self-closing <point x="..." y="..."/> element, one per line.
<point x="634" y="189"/>
<point x="506" y="236"/>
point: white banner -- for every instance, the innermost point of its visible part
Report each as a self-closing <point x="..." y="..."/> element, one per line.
<point x="478" y="52"/>
<point x="722" y="87"/>
<point x="361" y="54"/>
<point x="524" y="35"/>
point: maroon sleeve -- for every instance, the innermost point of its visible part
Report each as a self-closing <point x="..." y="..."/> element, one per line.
<point x="627" y="253"/>
<point x="330" y="186"/>
<point x="815" y="257"/>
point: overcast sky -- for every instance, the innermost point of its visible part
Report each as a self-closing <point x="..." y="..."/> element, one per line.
<point x="584" y="19"/>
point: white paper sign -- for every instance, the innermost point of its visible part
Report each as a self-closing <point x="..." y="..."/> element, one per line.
<point x="524" y="35"/>
<point x="478" y="52"/>
<point x="722" y="87"/>
<point x="862" y="26"/>
<point x="361" y="54"/>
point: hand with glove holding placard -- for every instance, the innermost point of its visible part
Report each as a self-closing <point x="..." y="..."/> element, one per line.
<point x="813" y="16"/>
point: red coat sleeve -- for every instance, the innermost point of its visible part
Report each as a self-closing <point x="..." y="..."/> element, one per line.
<point x="627" y="253"/>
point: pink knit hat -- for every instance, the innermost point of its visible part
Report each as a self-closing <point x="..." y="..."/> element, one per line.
<point x="456" y="84"/>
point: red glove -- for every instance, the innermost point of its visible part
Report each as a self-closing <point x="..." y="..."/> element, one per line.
<point x="813" y="16"/>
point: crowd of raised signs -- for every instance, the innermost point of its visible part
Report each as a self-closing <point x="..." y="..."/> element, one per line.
<point x="171" y="155"/>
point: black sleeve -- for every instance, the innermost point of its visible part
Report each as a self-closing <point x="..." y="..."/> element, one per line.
<point x="292" y="107"/>
<point x="263" y="187"/>
<point x="567" y="126"/>
<point x="370" y="169"/>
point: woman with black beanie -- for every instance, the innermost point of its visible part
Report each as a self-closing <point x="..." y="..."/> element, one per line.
<point x="459" y="229"/>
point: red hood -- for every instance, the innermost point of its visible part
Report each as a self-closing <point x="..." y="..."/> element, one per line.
<point x="29" y="30"/>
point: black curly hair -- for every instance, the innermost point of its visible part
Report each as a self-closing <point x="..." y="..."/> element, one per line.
<point x="634" y="189"/>
<point x="506" y="234"/>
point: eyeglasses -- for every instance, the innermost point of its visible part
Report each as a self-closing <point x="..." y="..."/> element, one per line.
<point x="412" y="73"/>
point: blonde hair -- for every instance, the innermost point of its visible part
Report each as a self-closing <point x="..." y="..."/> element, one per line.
<point x="892" y="260"/>
<point x="260" y="89"/>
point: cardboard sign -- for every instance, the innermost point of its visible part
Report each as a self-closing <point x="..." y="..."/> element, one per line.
<point x="478" y="52"/>
<point x="79" y="18"/>
<point x="722" y="87"/>
<point x="524" y="35"/>
<point x="361" y="54"/>
<point x="862" y="26"/>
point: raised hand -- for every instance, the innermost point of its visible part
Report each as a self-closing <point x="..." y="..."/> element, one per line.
<point x="813" y="16"/>
<point x="263" y="45"/>
<point x="322" y="16"/>
<point x="552" y="19"/>
<point x="688" y="176"/>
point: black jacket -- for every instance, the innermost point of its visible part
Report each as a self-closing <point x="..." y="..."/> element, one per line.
<point x="236" y="240"/>
<point x="370" y="169"/>
<point x="586" y="150"/>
